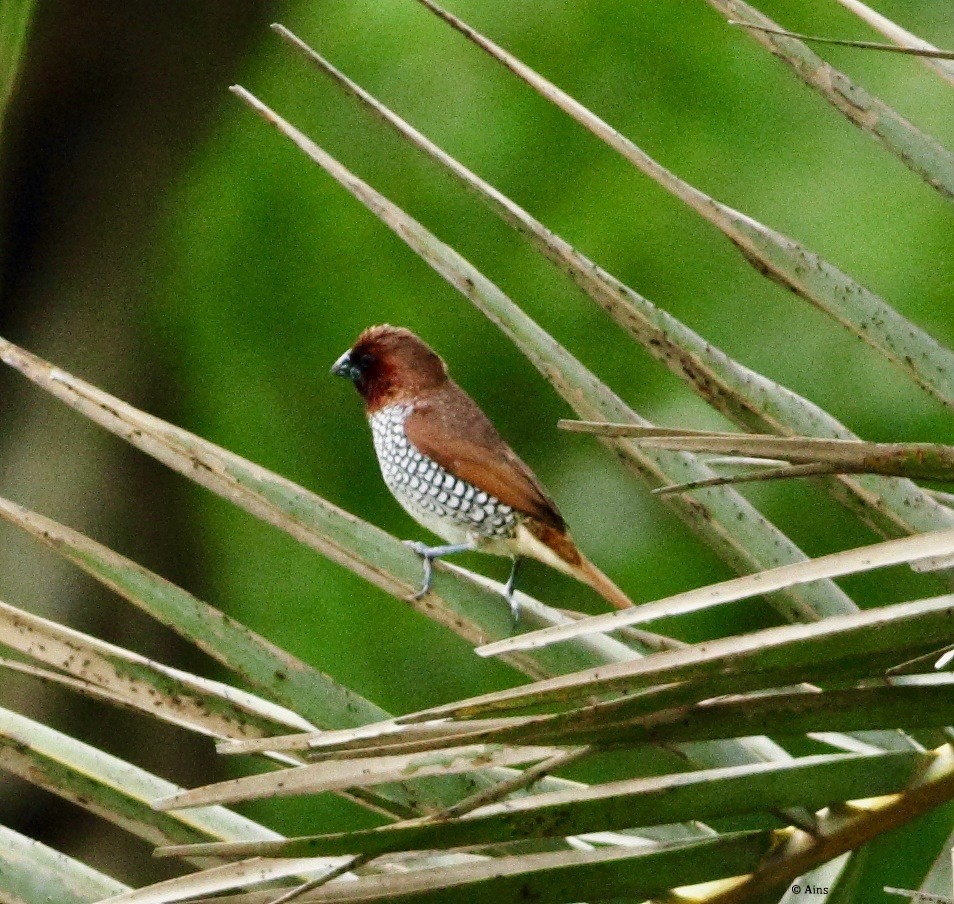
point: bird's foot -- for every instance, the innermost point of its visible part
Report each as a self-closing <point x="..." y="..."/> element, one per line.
<point x="422" y="550"/>
<point x="428" y="554"/>
<point x="514" y="610"/>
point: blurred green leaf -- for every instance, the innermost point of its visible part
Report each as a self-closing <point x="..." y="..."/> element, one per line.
<point x="112" y="788"/>
<point x="919" y="152"/>
<point x="132" y="680"/>
<point x="940" y="877"/>
<point x="900" y="36"/>
<point x="840" y="831"/>
<point x="31" y="872"/>
<point x="15" y="18"/>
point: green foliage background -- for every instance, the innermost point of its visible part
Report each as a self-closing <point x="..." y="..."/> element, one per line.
<point x="261" y="272"/>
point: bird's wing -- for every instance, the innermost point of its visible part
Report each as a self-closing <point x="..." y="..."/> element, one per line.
<point x="448" y="427"/>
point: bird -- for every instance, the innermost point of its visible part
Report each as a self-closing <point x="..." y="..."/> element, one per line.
<point x="449" y="468"/>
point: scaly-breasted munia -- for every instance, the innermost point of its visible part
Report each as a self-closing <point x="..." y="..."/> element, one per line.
<point x="450" y="469"/>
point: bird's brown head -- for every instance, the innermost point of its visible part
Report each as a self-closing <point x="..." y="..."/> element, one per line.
<point x="389" y="365"/>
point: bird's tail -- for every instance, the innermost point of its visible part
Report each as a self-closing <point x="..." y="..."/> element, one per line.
<point x="557" y="549"/>
<point x="590" y="574"/>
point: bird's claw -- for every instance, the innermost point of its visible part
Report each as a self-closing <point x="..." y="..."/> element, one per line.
<point x="424" y="551"/>
<point x="514" y="610"/>
<point x="428" y="577"/>
<point x="509" y="589"/>
<point x="429" y="553"/>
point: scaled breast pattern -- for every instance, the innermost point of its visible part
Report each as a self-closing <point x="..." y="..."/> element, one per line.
<point x="424" y="487"/>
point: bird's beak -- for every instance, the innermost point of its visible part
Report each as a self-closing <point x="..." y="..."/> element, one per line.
<point x="344" y="367"/>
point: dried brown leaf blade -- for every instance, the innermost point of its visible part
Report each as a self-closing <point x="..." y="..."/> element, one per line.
<point x="932" y="52"/>
<point x="336" y="775"/>
<point x="903" y="625"/>
<point x="809" y="781"/>
<point x="615" y="871"/>
<point x="845" y="562"/>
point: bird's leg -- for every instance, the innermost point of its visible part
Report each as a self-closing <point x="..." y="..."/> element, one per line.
<point x="429" y="553"/>
<point x="509" y="588"/>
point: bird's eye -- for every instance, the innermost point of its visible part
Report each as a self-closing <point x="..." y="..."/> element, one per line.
<point x="365" y="360"/>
